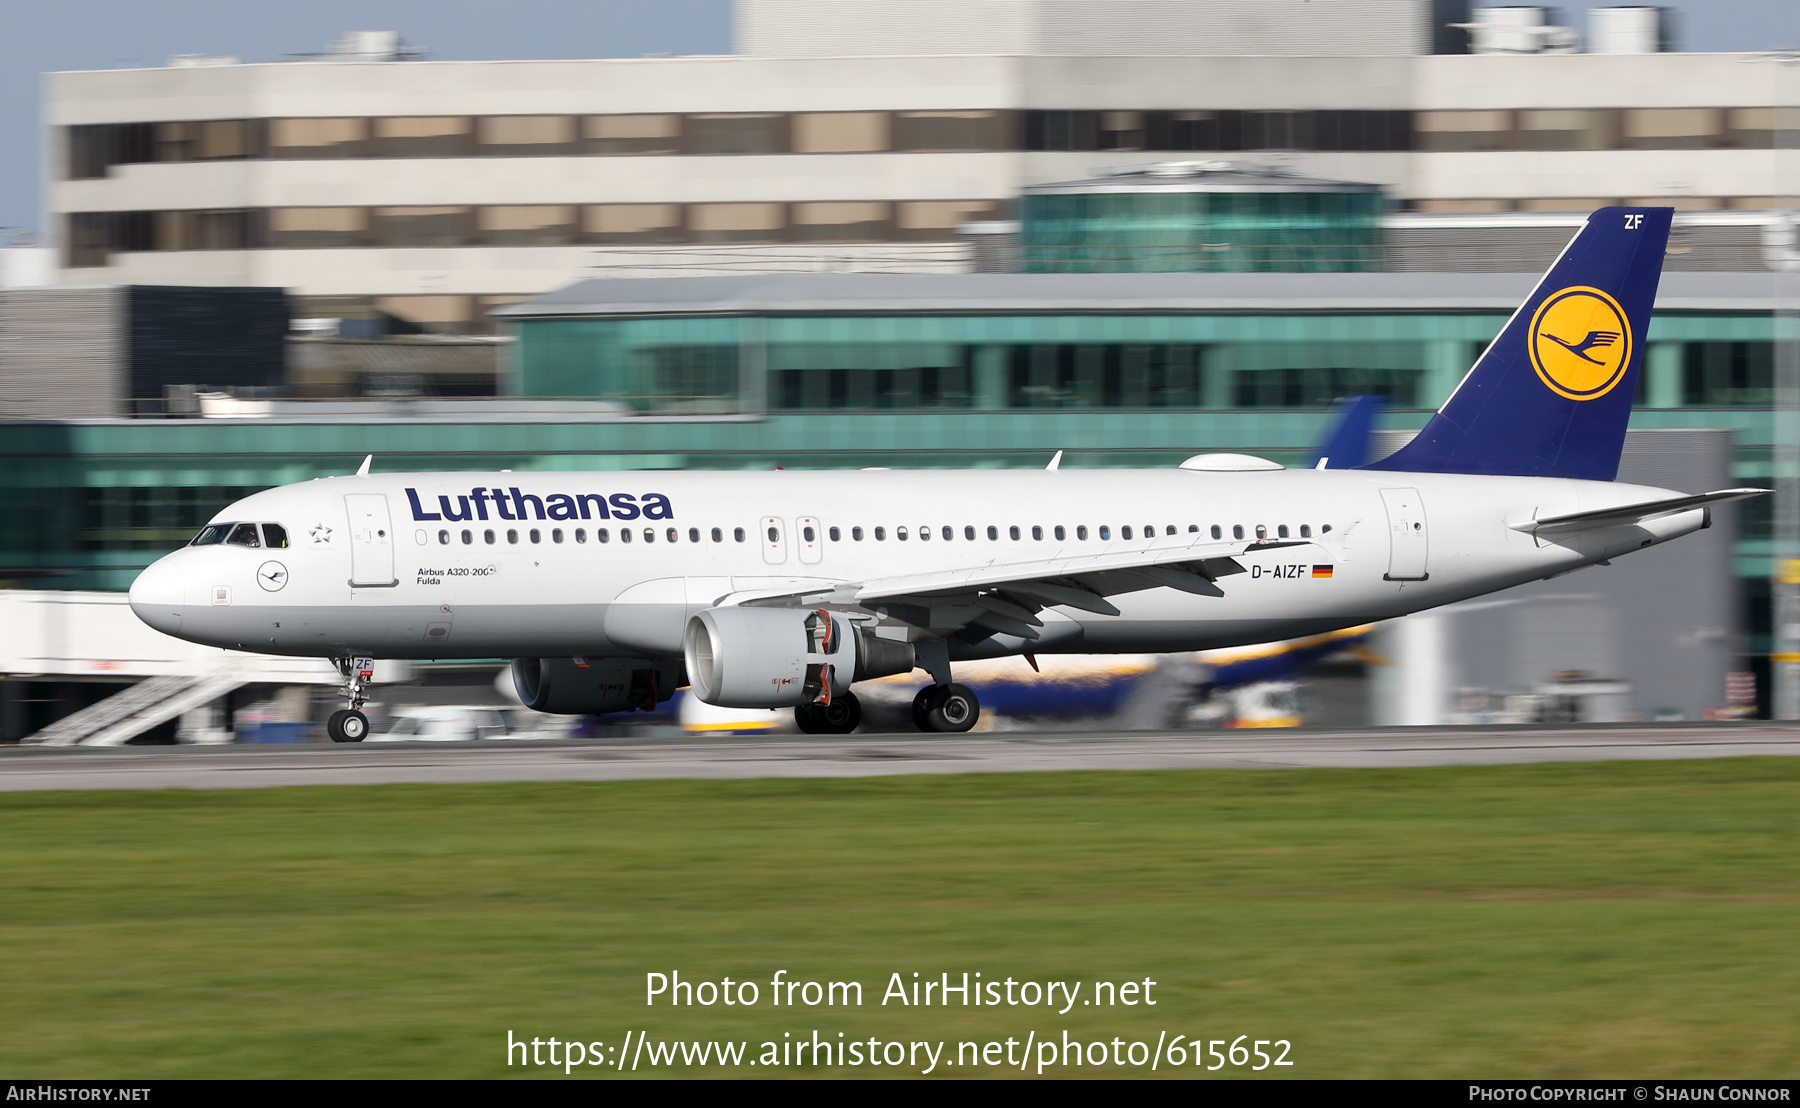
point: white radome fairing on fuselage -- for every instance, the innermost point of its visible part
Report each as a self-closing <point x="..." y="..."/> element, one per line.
<point x="613" y="599"/>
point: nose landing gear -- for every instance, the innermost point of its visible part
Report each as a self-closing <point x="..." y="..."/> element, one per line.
<point x="349" y="725"/>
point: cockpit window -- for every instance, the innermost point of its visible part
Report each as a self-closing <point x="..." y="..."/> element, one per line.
<point x="211" y="534"/>
<point x="244" y="534"/>
<point x="274" y="536"/>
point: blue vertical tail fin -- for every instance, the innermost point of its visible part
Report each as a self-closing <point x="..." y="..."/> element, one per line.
<point x="1552" y="395"/>
<point x="1346" y="445"/>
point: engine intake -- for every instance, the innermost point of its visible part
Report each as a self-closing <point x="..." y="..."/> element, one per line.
<point x="780" y="657"/>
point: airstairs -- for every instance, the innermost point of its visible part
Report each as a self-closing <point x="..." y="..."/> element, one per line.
<point x="125" y="715"/>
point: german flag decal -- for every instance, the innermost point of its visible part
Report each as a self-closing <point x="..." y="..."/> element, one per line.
<point x="1321" y="571"/>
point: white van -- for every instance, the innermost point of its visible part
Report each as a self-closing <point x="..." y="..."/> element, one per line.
<point x="461" y="723"/>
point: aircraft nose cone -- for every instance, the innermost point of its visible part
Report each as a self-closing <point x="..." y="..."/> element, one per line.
<point x="157" y="596"/>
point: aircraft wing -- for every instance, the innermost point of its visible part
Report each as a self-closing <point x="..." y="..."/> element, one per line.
<point x="1005" y="597"/>
<point x="1630" y="513"/>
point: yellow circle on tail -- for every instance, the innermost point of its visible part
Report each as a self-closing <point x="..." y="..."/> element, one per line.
<point x="1580" y="343"/>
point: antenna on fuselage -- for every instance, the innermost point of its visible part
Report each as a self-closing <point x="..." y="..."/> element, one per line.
<point x="1056" y="462"/>
<point x="363" y="470"/>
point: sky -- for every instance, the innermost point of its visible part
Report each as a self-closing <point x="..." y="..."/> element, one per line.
<point x="41" y="37"/>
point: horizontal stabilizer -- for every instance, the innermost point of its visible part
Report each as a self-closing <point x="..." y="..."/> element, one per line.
<point x="1630" y="513"/>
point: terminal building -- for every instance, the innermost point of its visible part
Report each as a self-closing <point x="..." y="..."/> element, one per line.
<point x="1008" y="240"/>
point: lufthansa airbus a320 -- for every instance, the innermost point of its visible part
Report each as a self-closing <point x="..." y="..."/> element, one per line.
<point x="612" y="590"/>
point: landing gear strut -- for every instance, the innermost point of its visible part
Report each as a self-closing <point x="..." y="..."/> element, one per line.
<point x="839" y="717"/>
<point x="949" y="707"/>
<point x="349" y="725"/>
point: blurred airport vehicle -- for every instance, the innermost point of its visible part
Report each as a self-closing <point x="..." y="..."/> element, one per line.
<point x="466" y="722"/>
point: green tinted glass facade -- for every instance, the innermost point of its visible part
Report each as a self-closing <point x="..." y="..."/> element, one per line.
<point x="1173" y="231"/>
<point x="85" y="504"/>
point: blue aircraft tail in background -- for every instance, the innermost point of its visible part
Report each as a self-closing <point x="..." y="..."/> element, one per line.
<point x="1552" y="395"/>
<point x="1346" y="445"/>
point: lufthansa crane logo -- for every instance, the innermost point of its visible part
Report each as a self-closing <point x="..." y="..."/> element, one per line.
<point x="1580" y="343"/>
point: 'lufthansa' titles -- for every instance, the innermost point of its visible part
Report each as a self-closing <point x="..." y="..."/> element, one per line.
<point x="510" y="503"/>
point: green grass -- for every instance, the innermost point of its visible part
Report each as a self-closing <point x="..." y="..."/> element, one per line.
<point x="1619" y="919"/>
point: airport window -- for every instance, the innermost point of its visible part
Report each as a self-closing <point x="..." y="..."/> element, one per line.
<point x="93" y="149"/>
<point x="1059" y="533"/>
<point x="632" y="134"/>
<point x="840" y="132"/>
<point x="512" y="536"/>
<point x="993" y="533"/>
<point x="422" y="137"/>
<point x="936" y="220"/>
<point x="1103" y="375"/>
<point x="1728" y="374"/>
<point x="949" y="533"/>
<point x="1569" y="129"/>
<point x="841" y="221"/>
<point x="274" y="536"/>
<point x="299" y="228"/>
<point x="204" y="141"/>
<point x="443" y="538"/>
<point x="488" y="537"/>
<point x="1124" y="532"/>
<point x="526" y="134"/>
<point x="1013" y="532"/>
<point x="1105" y="531"/>
<point x="737" y="222"/>
<point x="631" y="222"/>
<point x="649" y="534"/>
<point x="317" y="138"/>
<point x="694" y="534"/>
<point x="1237" y="530"/>
<point x="1281" y="532"/>
<point x="737" y="133"/>
<point x="969" y="533"/>
<point x="468" y="537"/>
<point x="1216" y="532"/>
<point x="602" y="535"/>
<point x="856" y="534"/>
<point x="719" y="536"/>
<point x="1673" y="128"/>
<point x="948" y="131"/>
<point x="581" y="534"/>
<point x="424" y="226"/>
<point x="924" y="532"/>
<point x="1458" y="131"/>
<point x="738" y="534"/>
<point x="880" y="534"/>
<point x="1306" y="531"/>
<point x="1304" y="386"/>
<point x="900" y="534"/>
<point x="244" y="534"/>
<point x="1121" y="130"/>
<point x="230" y="229"/>
<point x="526" y="224"/>
<point x="1081" y="532"/>
<point x="674" y="535"/>
<point x="835" y="534"/>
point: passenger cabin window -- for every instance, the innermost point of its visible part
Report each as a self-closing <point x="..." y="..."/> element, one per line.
<point x="244" y="534"/>
<point x="1124" y="532"/>
<point x="1216" y="532"/>
<point x="856" y="534"/>
<point x="468" y="537"/>
<point x="900" y="533"/>
<point x="674" y="535"/>
<point x="1237" y="530"/>
<point x="488" y="537"/>
<point x="1081" y="532"/>
<point x="1013" y="532"/>
<point x="737" y="534"/>
<point x="211" y="535"/>
<point x="880" y="534"/>
<point x="581" y="534"/>
<point x="274" y="536"/>
<point x="443" y="538"/>
<point x="556" y="534"/>
<point x="1059" y="533"/>
<point x="624" y="534"/>
<point x="969" y="533"/>
<point x="512" y="535"/>
<point x="925" y="532"/>
<point x="602" y="535"/>
<point x="1037" y="533"/>
<point x="1281" y="531"/>
<point x="836" y="535"/>
<point x="718" y="535"/>
<point x="1306" y="531"/>
<point x="1105" y="531"/>
<point x="693" y="534"/>
<point x="993" y="534"/>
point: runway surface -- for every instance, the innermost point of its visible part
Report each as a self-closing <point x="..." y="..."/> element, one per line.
<point x="244" y="767"/>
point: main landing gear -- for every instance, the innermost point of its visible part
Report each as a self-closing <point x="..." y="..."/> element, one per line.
<point x="839" y="717"/>
<point x="349" y="725"/>
<point x="949" y="707"/>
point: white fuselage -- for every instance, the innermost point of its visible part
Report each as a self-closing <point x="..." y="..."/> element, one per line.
<point x="364" y="575"/>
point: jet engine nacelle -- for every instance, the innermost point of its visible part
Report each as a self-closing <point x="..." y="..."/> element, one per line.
<point x="571" y="686"/>
<point x="781" y="657"/>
